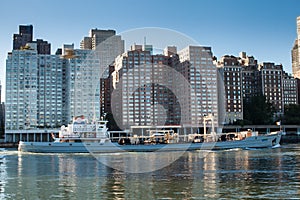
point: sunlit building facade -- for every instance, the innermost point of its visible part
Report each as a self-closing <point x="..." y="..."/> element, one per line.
<point x="81" y="83"/>
<point x="33" y="94"/>
<point x="296" y="52"/>
<point x="21" y="89"/>
<point x="106" y="43"/>
<point x="231" y="71"/>
<point x="203" y="82"/>
<point x="149" y="90"/>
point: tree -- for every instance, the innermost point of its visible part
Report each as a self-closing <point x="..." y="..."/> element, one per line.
<point x="291" y="114"/>
<point x="258" y="111"/>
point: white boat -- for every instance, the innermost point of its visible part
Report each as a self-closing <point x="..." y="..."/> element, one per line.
<point x="81" y="137"/>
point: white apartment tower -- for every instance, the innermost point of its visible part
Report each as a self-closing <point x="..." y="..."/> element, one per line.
<point x="203" y="82"/>
<point x="21" y="89"/>
<point x="33" y="94"/>
<point x="82" y="83"/>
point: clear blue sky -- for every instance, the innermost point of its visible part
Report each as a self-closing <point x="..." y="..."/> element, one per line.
<point x="265" y="29"/>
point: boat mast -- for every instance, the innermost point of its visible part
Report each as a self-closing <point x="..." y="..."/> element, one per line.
<point x="210" y="117"/>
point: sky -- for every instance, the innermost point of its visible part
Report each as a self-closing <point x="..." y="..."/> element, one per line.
<point x="265" y="29"/>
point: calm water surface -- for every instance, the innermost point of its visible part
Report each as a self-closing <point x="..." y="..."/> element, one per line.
<point x="234" y="174"/>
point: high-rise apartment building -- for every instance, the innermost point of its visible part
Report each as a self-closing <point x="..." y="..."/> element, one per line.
<point x="251" y="77"/>
<point x="49" y="85"/>
<point x="133" y="89"/>
<point x="296" y="52"/>
<point x="2" y="121"/>
<point x="272" y="84"/>
<point x="96" y="37"/>
<point x="33" y="94"/>
<point x="33" y="89"/>
<point x="170" y="50"/>
<point x="86" y="43"/>
<point x="106" y="88"/>
<point x="99" y="36"/>
<point x="298" y="89"/>
<point x="24" y="36"/>
<point x="231" y="72"/>
<point x="81" y="89"/>
<point x="0" y="92"/>
<point x="21" y="89"/>
<point x="2" y="116"/>
<point x="290" y="89"/>
<point x="21" y="93"/>
<point x="43" y="47"/>
<point x="107" y="44"/>
<point x="244" y="78"/>
<point x="45" y="91"/>
<point x="203" y="82"/>
<point x="147" y="89"/>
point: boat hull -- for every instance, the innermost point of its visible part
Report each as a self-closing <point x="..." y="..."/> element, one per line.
<point x="264" y="141"/>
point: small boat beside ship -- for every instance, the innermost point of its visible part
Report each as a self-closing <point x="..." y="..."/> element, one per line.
<point x="82" y="137"/>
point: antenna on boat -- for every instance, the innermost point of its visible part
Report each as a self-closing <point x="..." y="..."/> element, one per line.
<point x="209" y="117"/>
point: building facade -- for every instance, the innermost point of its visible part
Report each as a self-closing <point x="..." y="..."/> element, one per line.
<point x="49" y="88"/>
<point x="81" y="83"/>
<point x="45" y="91"/>
<point x="147" y="89"/>
<point x="86" y="43"/>
<point x="99" y="36"/>
<point x="2" y="122"/>
<point x="203" y="82"/>
<point x="244" y="78"/>
<point x="0" y="91"/>
<point x="231" y="71"/>
<point x="290" y="89"/>
<point x="24" y="36"/>
<point x="21" y="89"/>
<point x="33" y="94"/>
<point x="296" y="52"/>
<point x="272" y="85"/>
<point x="2" y="116"/>
<point x="43" y="47"/>
<point x="133" y="89"/>
<point x="251" y="77"/>
<point x="108" y="46"/>
<point x="106" y="88"/>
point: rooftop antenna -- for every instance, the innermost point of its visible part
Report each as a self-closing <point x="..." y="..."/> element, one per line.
<point x="145" y="41"/>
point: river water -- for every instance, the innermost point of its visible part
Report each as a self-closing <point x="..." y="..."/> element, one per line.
<point x="230" y="174"/>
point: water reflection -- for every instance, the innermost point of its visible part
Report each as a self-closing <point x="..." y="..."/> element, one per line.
<point x="268" y="173"/>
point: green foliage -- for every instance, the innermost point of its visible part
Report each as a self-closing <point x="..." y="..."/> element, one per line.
<point x="258" y="111"/>
<point x="291" y="115"/>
